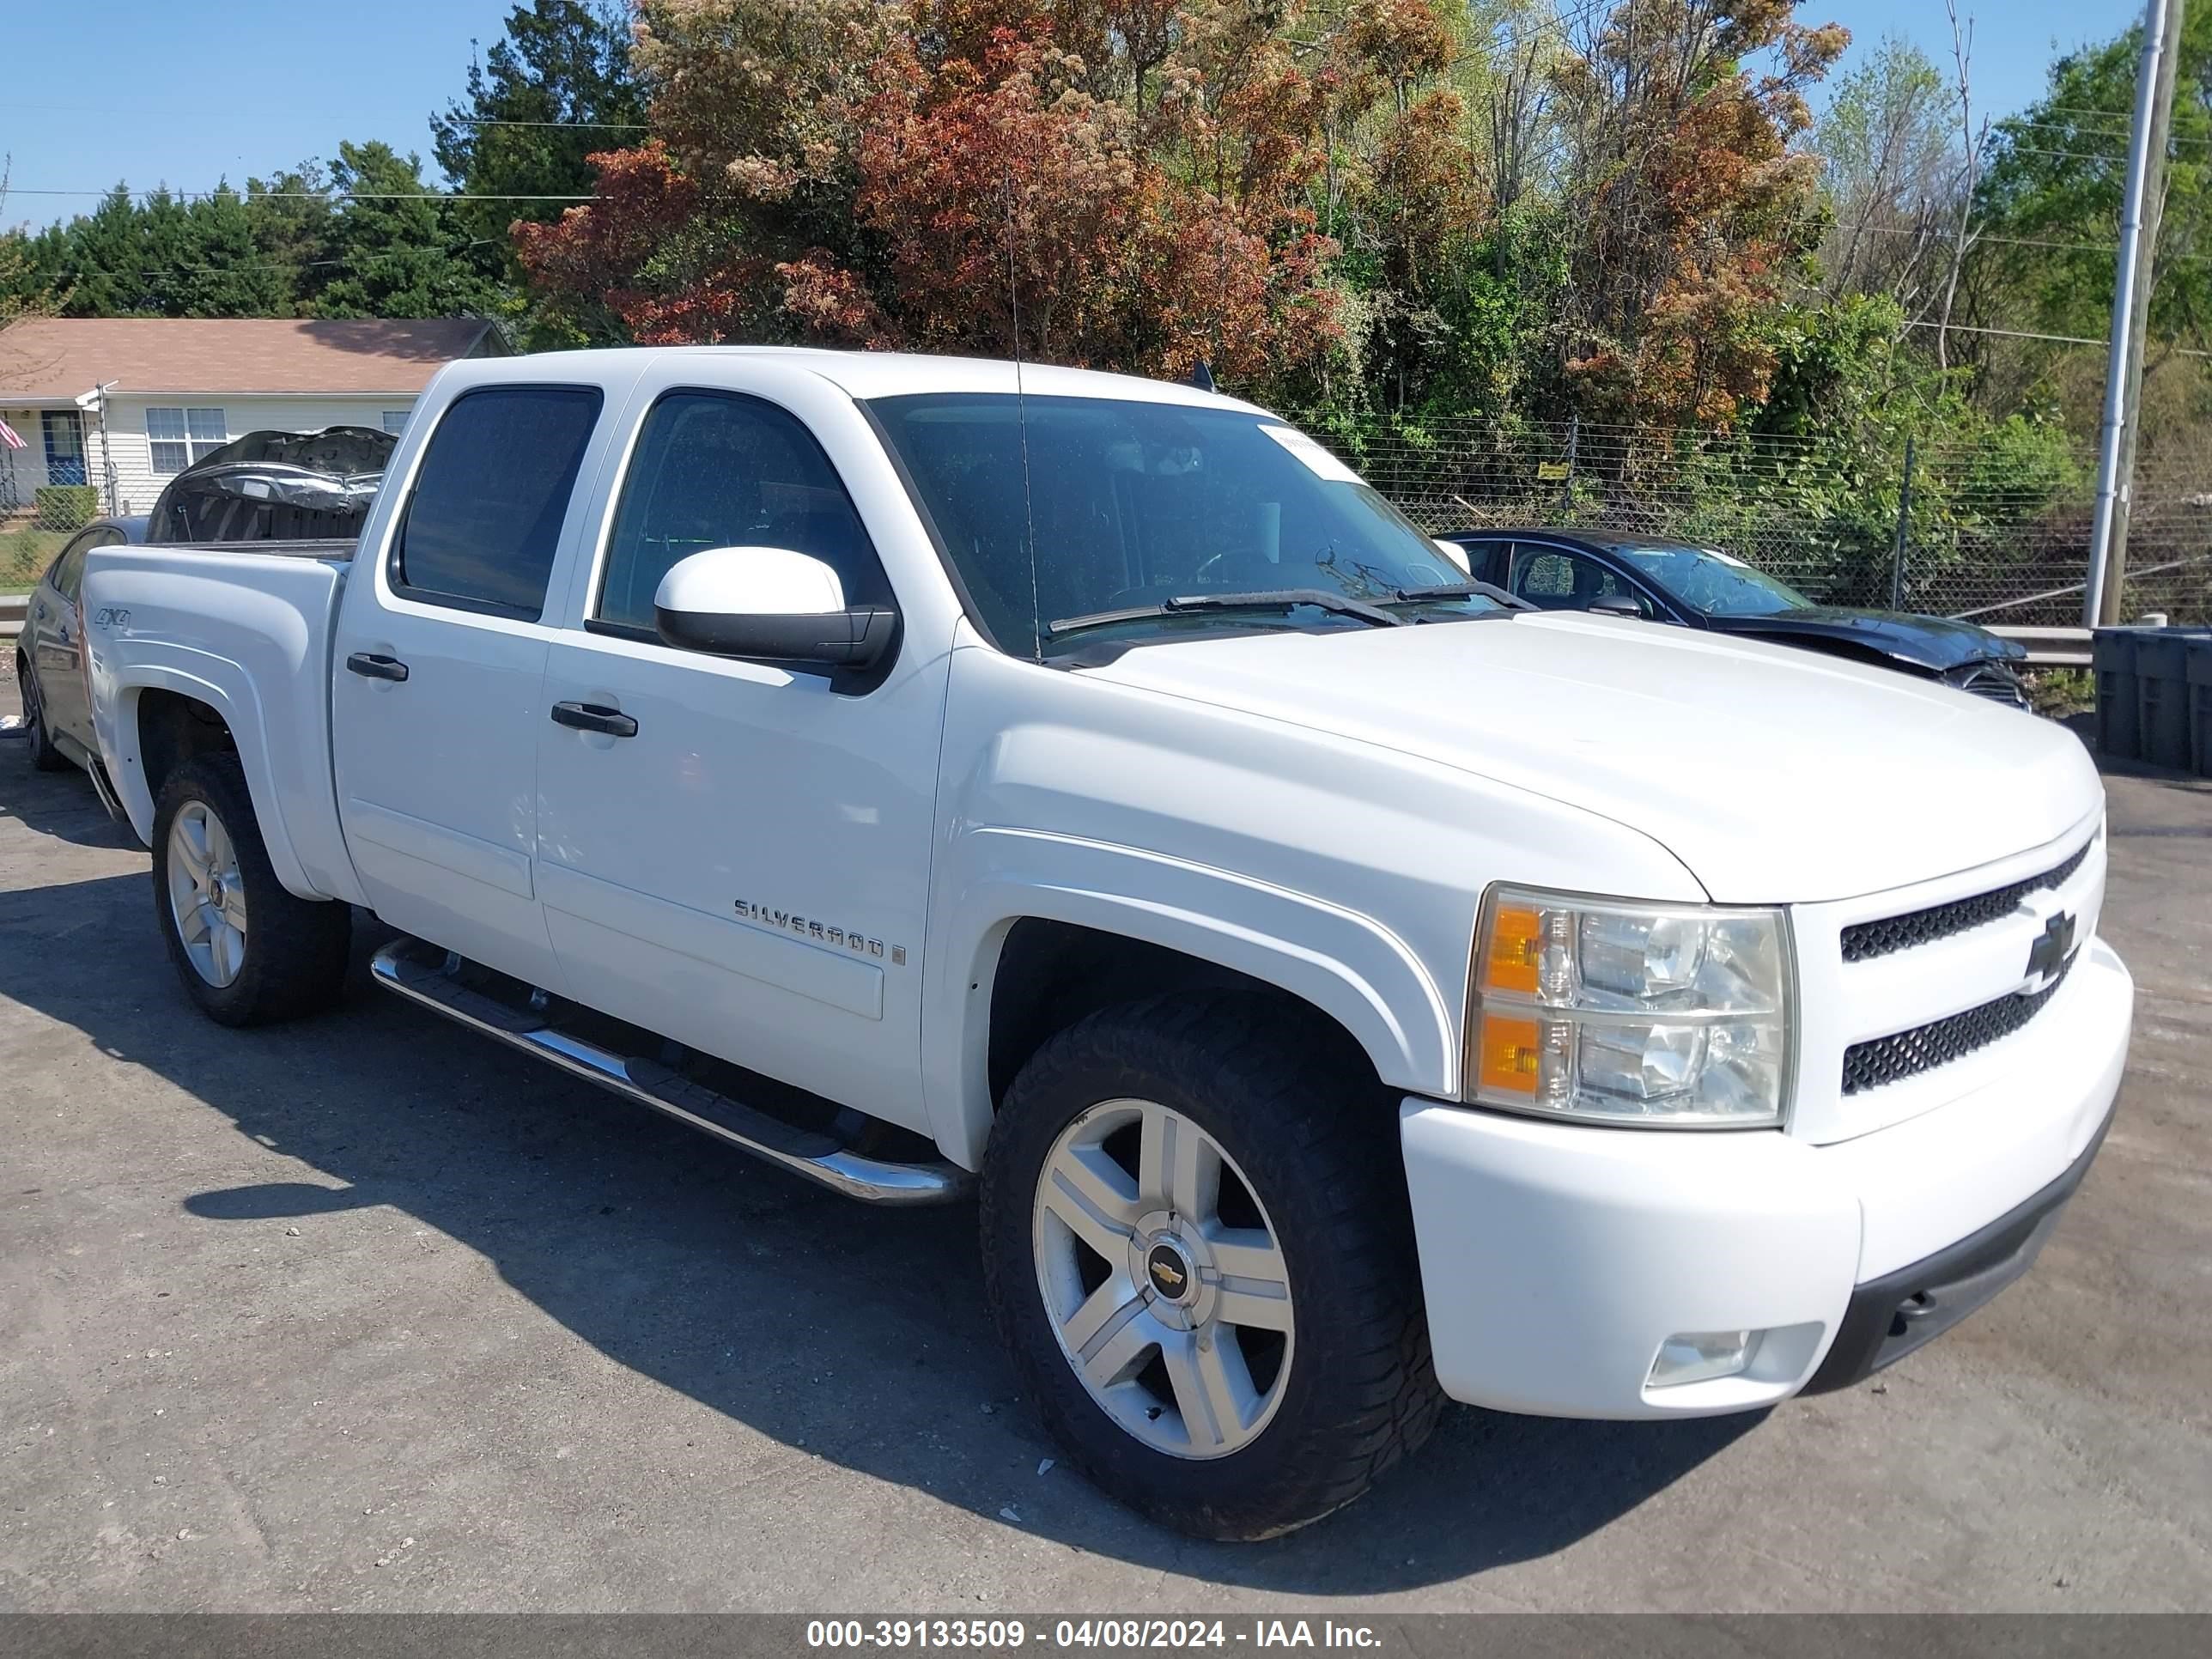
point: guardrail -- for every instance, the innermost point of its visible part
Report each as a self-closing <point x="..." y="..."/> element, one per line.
<point x="12" y="606"/>
<point x="2052" y="648"/>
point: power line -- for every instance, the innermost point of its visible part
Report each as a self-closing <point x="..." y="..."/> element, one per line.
<point x="304" y="195"/>
<point x="2012" y="241"/>
<point x="2055" y="340"/>
<point x="2065" y="155"/>
<point x="459" y="120"/>
<point x="2011" y="121"/>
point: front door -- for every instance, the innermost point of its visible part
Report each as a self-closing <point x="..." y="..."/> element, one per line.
<point x="439" y="673"/>
<point x="741" y="864"/>
<point x="64" y="436"/>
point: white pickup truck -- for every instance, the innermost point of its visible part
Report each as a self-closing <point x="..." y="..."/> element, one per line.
<point x="1347" y="991"/>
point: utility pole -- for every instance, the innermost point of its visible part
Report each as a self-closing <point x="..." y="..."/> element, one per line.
<point x="2141" y="206"/>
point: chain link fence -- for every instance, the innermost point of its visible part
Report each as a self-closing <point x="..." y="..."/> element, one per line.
<point x="1996" y="532"/>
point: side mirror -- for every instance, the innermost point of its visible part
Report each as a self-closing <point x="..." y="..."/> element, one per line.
<point x="769" y="604"/>
<point x="1613" y="604"/>
<point x="1455" y="553"/>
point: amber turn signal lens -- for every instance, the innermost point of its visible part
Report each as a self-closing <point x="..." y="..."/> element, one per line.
<point x="1514" y="945"/>
<point x="1510" y="1054"/>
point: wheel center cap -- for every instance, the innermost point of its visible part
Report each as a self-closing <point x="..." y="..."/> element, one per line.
<point x="215" y="891"/>
<point x="1170" y="1273"/>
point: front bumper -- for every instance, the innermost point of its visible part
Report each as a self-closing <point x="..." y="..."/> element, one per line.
<point x="1557" y="1258"/>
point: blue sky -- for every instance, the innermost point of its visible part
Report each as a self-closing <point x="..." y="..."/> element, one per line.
<point x="189" y="95"/>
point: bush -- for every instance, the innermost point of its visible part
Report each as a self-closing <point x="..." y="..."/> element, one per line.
<point x="66" y="507"/>
<point x="24" y="553"/>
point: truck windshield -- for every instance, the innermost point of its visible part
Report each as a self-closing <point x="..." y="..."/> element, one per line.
<point x="1132" y="506"/>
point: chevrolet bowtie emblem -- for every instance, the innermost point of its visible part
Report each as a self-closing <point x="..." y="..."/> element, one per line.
<point x="2050" y="950"/>
<point x="1168" y="1276"/>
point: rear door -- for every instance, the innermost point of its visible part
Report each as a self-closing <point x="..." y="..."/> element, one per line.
<point x="441" y="663"/>
<point x="1486" y="561"/>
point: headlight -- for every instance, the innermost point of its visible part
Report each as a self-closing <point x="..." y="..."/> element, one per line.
<point x="1665" y="1015"/>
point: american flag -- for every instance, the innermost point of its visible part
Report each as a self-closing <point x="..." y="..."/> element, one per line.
<point x="10" y="437"/>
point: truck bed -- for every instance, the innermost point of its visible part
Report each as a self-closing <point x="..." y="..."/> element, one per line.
<point x="246" y="628"/>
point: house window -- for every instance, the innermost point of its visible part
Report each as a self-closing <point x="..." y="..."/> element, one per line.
<point x="179" y="437"/>
<point x="395" y="421"/>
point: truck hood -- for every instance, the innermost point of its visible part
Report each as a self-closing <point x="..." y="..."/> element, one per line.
<point x="1774" y="775"/>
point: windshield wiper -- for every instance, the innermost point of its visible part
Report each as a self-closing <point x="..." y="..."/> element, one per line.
<point x="1467" y="590"/>
<point x="1280" y="598"/>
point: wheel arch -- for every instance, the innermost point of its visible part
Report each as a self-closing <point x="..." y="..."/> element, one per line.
<point x="1024" y="956"/>
<point x="163" y="718"/>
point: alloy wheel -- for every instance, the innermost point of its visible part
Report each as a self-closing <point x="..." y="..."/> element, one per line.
<point x="1164" y="1281"/>
<point x="207" y="893"/>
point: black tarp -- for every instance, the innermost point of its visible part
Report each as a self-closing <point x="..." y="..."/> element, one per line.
<point x="275" y="486"/>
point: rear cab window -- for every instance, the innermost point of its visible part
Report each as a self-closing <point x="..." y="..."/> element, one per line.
<point x="68" y="572"/>
<point x="483" y="521"/>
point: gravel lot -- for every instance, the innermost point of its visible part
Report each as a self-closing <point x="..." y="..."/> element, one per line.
<point x="365" y="1313"/>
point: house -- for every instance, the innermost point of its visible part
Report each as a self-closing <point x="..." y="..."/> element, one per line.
<point x="125" y="402"/>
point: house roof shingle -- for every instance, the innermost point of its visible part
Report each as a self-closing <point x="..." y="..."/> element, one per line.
<point x="45" y="360"/>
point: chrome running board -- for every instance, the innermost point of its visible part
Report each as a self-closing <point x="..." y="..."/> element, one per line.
<point x="423" y="975"/>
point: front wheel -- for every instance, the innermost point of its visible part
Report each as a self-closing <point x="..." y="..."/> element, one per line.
<point x="246" y="950"/>
<point x="1197" y="1247"/>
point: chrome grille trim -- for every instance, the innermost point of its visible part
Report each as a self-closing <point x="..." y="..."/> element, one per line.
<point x="1865" y="940"/>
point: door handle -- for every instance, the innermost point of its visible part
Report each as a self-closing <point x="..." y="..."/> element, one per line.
<point x="373" y="665"/>
<point x="594" y="717"/>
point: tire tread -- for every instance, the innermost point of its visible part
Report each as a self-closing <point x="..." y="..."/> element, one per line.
<point x="1267" y="1055"/>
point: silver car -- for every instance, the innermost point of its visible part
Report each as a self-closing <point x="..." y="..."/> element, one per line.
<point x="50" y="661"/>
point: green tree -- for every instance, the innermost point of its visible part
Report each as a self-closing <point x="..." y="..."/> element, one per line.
<point x="395" y="248"/>
<point x="1890" y="172"/>
<point x="557" y="87"/>
<point x="2050" y="203"/>
<point x="291" y="214"/>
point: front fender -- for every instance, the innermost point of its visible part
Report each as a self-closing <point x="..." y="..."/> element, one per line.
<point x="1348" y="965"/>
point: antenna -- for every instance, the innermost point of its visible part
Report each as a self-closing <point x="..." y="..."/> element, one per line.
<point x="1022" y="426"/>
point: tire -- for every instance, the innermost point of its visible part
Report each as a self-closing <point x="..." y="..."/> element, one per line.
<point x="44" y="755"/>
<point x="1289" y="1425"/>
<point x="288" y="954"/>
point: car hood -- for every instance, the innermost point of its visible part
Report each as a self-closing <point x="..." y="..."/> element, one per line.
<point x="1774" y="775"/>
<point x="1933" y="643"/>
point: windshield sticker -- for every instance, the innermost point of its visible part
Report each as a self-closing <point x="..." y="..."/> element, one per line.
<point x="1319" y="461"/>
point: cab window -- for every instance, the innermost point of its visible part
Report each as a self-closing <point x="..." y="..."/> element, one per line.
<point x="715" y="469"/>
<point x="68" y="573"/>
<point x="484" y="521"/>
<point x="1555" y="580"/>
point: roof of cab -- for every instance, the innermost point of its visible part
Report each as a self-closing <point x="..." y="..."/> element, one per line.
<point x="867" y="374"/>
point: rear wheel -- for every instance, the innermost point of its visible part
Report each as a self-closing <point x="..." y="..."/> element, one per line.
<point x="246" y="950"/>
<point x="1202" y="1262"/>
<point x="44" y="755"/>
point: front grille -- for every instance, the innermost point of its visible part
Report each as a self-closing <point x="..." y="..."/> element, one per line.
<point x="1867" y="939"/>
<point x="1887" y="1060"/>
<point x="1997" y="684"/>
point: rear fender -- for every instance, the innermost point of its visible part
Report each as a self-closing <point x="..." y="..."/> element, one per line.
<point x="223" y="687"/>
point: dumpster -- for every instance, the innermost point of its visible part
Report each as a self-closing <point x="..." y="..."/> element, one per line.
<point x="2120" y="714"/>
<point x="2162" y="693"/>
<point x="2199" y="673"/>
